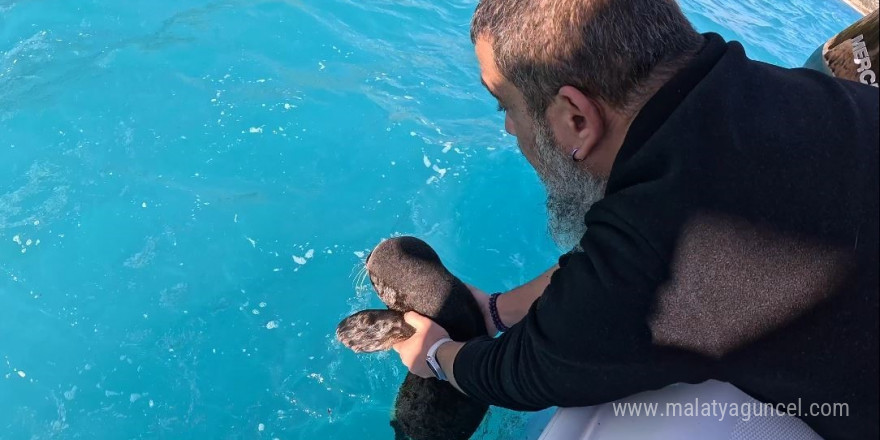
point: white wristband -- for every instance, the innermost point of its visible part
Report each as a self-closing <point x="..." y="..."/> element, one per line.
<point x="431" y="359"/>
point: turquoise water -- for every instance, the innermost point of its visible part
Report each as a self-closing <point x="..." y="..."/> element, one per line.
<point x="187" y="189"/>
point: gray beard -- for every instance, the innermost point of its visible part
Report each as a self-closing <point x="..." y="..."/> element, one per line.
<point x="571" y="191"/>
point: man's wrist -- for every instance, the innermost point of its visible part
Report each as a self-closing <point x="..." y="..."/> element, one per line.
<point x="497" y="321"/>
<point x="432" y="361"/>
<point x="514" y="305"/>
<point x="509" y="308"/>
<point x="446" y="355"/>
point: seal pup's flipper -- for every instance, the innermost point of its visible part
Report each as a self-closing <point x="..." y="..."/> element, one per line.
<point x="369" y="331"/>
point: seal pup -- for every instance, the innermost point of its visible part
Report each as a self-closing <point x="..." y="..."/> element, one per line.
<point x="408" y="276"/>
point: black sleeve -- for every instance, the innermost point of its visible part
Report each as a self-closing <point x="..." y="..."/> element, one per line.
<point x="586" y="340"/>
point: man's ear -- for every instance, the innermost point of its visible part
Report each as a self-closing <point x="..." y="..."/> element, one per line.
<point x="576" y="120"/>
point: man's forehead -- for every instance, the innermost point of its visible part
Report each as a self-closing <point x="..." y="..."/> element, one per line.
<point x="489" y="74"/>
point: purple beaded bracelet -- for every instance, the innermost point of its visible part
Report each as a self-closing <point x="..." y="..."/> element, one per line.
<point x="493" y="310"/>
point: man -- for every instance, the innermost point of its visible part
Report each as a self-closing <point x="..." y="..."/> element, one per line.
<point x="727" y="212"/>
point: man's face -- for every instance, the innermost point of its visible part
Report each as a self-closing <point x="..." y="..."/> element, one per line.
<point x="571" y="190"/>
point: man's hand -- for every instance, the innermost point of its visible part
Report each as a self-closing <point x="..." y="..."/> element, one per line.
<point x="483" y="301"/>
<point x="414" y="351"/>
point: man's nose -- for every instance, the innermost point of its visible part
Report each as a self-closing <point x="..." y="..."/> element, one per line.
<point x="508" y="125"/>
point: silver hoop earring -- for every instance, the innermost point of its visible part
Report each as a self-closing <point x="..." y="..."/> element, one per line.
<point x="573" y="153"/>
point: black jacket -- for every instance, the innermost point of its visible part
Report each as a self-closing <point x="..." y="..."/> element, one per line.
<point x="738" y="240"/>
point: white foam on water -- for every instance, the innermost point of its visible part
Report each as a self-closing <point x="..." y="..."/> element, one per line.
<point x="71" y="393"/>
<point x="359" y="254"/>
<point x="252" y="241"/>
<point x="310" y="253"/>
<point x="262" y="304"/>
<point x="299" y="260"/>
<point x="255" y="130"/>
<point x="22" y="374"/>
<point x="17" y="239"/>
<point x="426" y="161"/>
<point x="271" y="325"/>
<point x="446" y="147"/>
<point x="143" y="204"/>
<point x="144" y="257"/>
<point x="134" y="397"/>
<point x="150" y="403"/>
<point x="261" y="427"/>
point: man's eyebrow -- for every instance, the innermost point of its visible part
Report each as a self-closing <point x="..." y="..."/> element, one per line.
<point x="482" y="81"/>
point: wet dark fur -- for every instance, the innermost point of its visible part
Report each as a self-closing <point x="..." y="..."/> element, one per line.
<point x="408" y="275"/>
<point x="373" y="330"/>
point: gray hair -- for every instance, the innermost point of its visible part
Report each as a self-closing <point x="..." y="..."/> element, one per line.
<point x="611" y="50"/>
